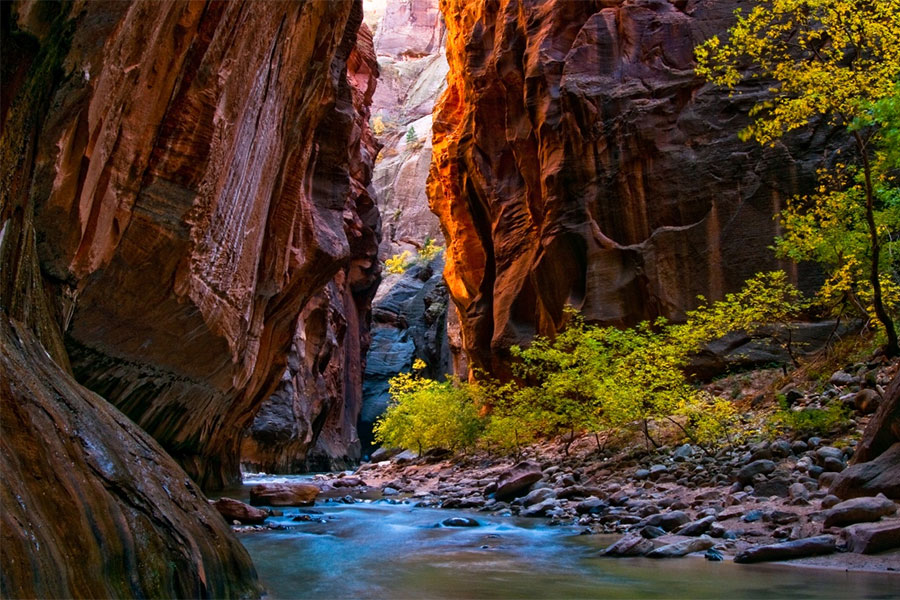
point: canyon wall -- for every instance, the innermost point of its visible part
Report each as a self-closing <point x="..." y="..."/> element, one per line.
<point x="310" y="422"/>
<point x="196" y="181"/>
<point x="578" y="160"/>
<point x="92" y="505"/>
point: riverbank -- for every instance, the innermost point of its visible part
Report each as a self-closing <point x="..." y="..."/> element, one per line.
<point x="767" y="497"/>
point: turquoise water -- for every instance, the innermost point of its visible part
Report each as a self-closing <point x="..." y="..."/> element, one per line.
<point x="396" y="551"/>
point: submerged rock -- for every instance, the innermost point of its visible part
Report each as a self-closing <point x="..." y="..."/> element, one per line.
<point x="460" y="522"/>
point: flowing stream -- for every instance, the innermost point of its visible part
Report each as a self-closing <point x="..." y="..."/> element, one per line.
<point x="381" y="550"/>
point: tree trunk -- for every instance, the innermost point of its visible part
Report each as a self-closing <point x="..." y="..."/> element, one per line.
<point x="891" y="348"/>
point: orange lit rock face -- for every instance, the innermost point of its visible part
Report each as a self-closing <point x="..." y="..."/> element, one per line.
<point x="193" y="188"/>
<point x="578" y="160"/>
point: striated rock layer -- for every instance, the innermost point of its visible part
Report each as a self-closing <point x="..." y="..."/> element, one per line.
<point x="310" y="422"/>
<point x="193" y="188"/>
<point x="578" y="160"/>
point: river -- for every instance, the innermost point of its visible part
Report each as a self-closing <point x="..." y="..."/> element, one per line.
<point x="381" y="550"/>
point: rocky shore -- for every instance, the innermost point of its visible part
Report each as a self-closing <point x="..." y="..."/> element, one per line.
<point x="770" y="500"/>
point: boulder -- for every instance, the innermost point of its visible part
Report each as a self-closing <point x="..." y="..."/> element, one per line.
<point x="284" y="494"/>
<point x="404" y="457"/>
<point x="757" y="467"/>
<point x="878" y="476"/>
<point x="842" y="378"/>
<point x="883" y="431"/>
<point x="383" y="453"/>
<point x="698" y="527"/>
<point x="683" y="452"/>
<point x="540" y="509"/>
<point x="826" y="452"/>
<point x="539" y="495"/>
<point x="591" y="505"/>
<point x="823" y="544"/>
<point x="668" y="521"/>
<point x="869" y="538"/>
<point x="630" y="545"/>
<point x="859" y="510"/>
<point x="866" y="400"/>
<point x="345" y="482"/>
<point x="235" y="510"/>
<point x="798" y="491"/>
<point x="776" y="486"/>
<point x="516" y="480"/>
<point x="682" y="548"/>
<point x="651" y="532"/>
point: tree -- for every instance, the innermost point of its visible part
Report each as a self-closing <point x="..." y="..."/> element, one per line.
<point x="378" y="125"/>
<point x="411" y="136"/>
<point x="837" y="60"/>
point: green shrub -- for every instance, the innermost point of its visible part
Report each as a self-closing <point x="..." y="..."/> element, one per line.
<point x="810" y="420"/>
<point x="424" y="414"/>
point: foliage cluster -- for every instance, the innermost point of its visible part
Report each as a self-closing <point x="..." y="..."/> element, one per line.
<point x="837" y="61"/>
<point x="591" y="378"/>
<point x="426" y="414"/>
<point x="810" y="420"/>
<point x="399" y="263"/>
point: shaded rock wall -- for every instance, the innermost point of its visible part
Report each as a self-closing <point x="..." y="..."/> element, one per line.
<point x="409" y="321"/>
<point x="578" y="160"/>
<point x="191" y="189"/>
<point x="92" y="505"/>
<point x="310" y="422"/>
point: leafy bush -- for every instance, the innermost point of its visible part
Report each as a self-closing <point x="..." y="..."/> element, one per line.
<point x="398" y="263"/>
<point x="590" y="377"/>
<point x="587" y="378"/>
<point x="810" y="420"/>
<point x="429" y="250"/>
<point x="424" y="414"/>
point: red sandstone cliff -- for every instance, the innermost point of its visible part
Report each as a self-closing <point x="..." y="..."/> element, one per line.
<point x="180" y="182"/>
<point x="578" y="160"/>
<point x="310" y="421"/>
<point x="192" y="191"/>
